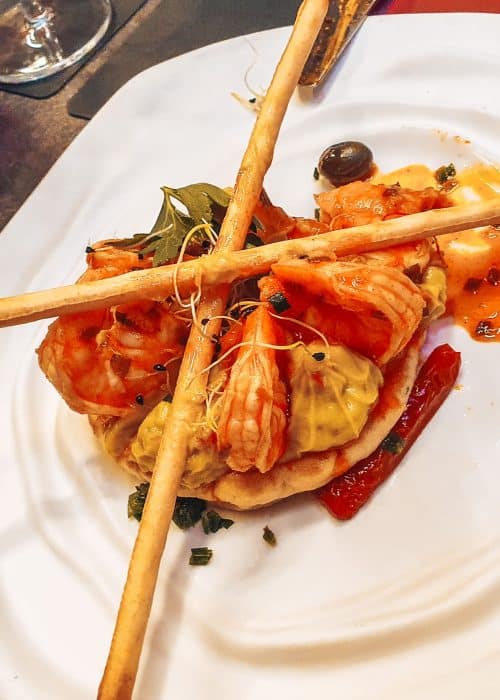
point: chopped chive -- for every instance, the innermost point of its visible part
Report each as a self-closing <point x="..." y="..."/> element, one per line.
<point x="269" y="536"/>
<point x="137" y="500"/>
<point x="393" y="443"/>
<point x="316" y="174"/>
<point x="445" y="173"/>
<point x="213" y="522"/>
<point x="200" y="556"/>
<point x="279" y="302"/>
<point x="187" y="512"/>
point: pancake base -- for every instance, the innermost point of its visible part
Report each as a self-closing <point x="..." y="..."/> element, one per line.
<point x="251" y="489"/>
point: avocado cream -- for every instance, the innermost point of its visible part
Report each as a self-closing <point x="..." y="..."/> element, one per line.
<point x="332" y="392"/>
<point x="204" y="464"/>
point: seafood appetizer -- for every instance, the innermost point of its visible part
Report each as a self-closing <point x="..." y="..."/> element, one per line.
<point x="315" y="369"/>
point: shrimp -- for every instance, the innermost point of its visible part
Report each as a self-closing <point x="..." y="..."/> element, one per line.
<point x="411" y="258"/>
<point x="361" y="203"/>
<point x="372" y="309"/>
<point x="252" y="422"/>
<point x="274" y="222"/>
<point x="110" y="361"/>
<point x="105" y="261"/>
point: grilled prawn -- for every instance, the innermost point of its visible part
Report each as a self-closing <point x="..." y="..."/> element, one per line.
<point x="106" y="362"/>
<point x="372" y="309"/>
<point x="361" y="203"/>
<point x="252" y="419"/>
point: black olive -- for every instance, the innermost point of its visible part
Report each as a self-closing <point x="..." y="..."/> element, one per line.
<point x="345" y="162"/>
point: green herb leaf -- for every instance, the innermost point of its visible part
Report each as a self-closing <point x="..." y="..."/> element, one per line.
<point x="316" y="174"/>
<point x="183" y="209"/>
<point x="200" y="556"/>
<point x="393" y="443"/>
<point x="200" y="202"/>
<point x="269" y="537"/>
<point x="137" y="500"/>
<point x="213" y="522"/>
<point x="445" y="173"/>
<point x="187" y="512"/>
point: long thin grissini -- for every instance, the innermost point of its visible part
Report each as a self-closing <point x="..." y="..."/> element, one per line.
<point x="227" y="267"/>
<point x="121" y="668"/>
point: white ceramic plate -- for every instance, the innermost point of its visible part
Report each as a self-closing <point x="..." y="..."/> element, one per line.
<point x="402" y="602"/>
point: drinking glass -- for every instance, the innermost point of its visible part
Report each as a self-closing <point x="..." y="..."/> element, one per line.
<point x="41" y="37"/>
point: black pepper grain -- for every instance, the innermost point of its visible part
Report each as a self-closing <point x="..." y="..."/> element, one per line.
<point x="493" y="276"/>
<point x="484" y="328"/>
<point x="473" y="284"/>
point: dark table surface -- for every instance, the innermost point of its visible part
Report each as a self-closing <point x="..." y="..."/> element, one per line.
<point x="34" y="133"/>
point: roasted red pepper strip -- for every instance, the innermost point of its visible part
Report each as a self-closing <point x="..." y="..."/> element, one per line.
<point x="347" y="493"/>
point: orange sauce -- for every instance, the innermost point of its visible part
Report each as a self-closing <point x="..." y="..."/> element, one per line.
<point x="472" y="257"/>
<point x="473" y="260"/>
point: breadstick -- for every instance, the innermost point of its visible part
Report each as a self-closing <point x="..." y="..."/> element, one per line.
<point x="121" y="668"/>
<point x="224" y="268"/>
